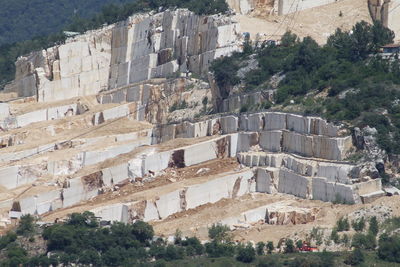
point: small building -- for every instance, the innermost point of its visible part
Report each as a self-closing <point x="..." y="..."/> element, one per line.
<point x="391" y="48"/>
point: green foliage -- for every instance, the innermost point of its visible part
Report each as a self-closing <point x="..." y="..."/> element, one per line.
<point x="269" y="262"/>
<point x="260" y="248"/>
<point x="359" y="225"/>
<point x="290" y="248"/>
<point x="177" y="106"/>
<point x="389" y="248"/>
<point x="16" y="255"/>
<point x="270" y="247"/>
<point x="216" y="249"/>
<point x="364" y="241"/>
<point x="317" y="234"/>
<point x="334" y="236"/>
<point x="246" y="253"/>
<point x="299" y="244"/>
<point x="219" y="233"/>
<point x="26" y="225"/>
<point x="84" y="241"/>
<point x="373" y="226"/>
<point x="289" y="39"/>
<point x="345" y="240"/>
<point x="193" y="246"/>
<point x="355" y="258"/>
<point x="7" y="239"/>
<point x="342" y="225"/>
<point x="45" y="16"/>
<point x="225" y="70"/>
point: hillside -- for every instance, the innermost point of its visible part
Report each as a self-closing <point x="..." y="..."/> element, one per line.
<point x="22" y="20"/>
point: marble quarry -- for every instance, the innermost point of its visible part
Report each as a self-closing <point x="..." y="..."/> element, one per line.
<point x="143" y="47"/>
<point x="84" y="171"/>
<point x="105" y="111"/>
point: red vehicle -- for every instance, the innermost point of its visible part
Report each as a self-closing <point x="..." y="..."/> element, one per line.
<point x="307" y="248"/>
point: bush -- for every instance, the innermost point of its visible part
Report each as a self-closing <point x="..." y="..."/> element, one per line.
<point x="270" y="247"/>
<point x="289" y="246"/>
<point x="219" y="233"/>
<point x="358" y="225"/>
<point x="343" y="225"/>
<point x="389" y="248"/>
<point x="334" y="236"/>
<point x="373" y="226"/>
<point x="260" y="248"/>
<point x="246" y="254"/>
<point x="7" y="239"/>
<point x="193" y="246"/>
<point x="26" y="225"/>
<point x="364" y="241"/>
<point x="355" y="258"/>
<point x="216" y="249"/>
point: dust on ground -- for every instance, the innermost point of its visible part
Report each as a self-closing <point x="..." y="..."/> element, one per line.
<point x="318" y="22"/>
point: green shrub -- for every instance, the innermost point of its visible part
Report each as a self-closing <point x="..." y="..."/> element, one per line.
<point x="373" y="226"/>
<point x="355" y="258"/>
<point x="363" y="241"/>
<point x="389" y="248"/>
<point x="342" y="225"/>
<point x="359" y="225"/>
<point x="260" y="248"/>
<point x="270" y="247"/>
<point x="290" y="248"/>
<point x="26" y="225"/>
<point x="219" y="233"/>
<point x="246" y="253"/>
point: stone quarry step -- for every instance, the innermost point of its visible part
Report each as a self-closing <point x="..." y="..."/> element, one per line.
<point x="158" y="206"/>
<point x="88" y="181"/>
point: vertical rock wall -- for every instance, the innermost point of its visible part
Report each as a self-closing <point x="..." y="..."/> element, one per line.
<point x="142" y="47"/>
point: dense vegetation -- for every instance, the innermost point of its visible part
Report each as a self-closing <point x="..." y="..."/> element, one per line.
<point x="358" y="84"/>
<point x="81" y="240"/>
<point x="77" y="23"/>
<point x="22" y="20"/>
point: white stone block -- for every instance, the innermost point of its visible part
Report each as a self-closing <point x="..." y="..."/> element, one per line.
<point x="256" y="215"/>
<point x="150" y="212"/>
<point x="275" y="121"/>
<point x="294" y="184"/>
<point x="115" y="174"/>
<point x="271" y="140"/>
<point x="9" y="177"/>
<point x="31" y="117"/>
<point x="229" y="124"/>
<point x="169" y="204"/>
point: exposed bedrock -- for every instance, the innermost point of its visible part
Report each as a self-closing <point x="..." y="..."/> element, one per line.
<point x="143" y="47"/>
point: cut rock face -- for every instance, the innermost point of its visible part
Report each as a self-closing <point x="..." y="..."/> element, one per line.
<point x="141" y="48"/>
